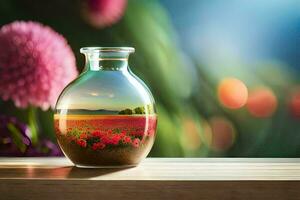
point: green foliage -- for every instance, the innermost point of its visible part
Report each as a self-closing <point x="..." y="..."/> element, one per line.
<point x="17" y="137"/>
<point x="127" y="111"/>
<point x="139" y="110"/>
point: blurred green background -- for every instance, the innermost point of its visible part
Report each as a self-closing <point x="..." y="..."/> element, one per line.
<point x="185" y="51"/>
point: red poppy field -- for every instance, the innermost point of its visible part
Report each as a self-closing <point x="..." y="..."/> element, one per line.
<point x="98" y="132"/>
<point x="98" y="136"/>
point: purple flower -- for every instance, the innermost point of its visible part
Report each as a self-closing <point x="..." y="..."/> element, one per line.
<point x="45" y="147"/>
<point x="14" y="136"/>
<point x="15" y="140"/>
<point x="36" y="63"/>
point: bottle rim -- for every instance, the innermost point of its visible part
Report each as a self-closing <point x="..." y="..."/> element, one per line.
<point x="106" y="49"/>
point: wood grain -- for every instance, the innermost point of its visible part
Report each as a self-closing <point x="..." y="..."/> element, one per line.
<point x="156" y="178"/>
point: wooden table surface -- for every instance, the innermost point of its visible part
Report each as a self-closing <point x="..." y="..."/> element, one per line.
<point x="155" y="178"/>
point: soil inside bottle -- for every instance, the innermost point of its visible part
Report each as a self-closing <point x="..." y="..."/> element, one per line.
<point x="105" y="140"/>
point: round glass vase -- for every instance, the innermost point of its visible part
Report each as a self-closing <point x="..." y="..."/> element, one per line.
<point x="106" y="117"/>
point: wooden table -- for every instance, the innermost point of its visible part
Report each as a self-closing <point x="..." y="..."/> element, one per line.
<point x="155" y="178"/>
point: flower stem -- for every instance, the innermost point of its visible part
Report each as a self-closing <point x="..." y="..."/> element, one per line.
<point x="33" y="125"/>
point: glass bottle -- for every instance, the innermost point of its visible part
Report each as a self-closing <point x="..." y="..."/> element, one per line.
<point x="106" y="117"/>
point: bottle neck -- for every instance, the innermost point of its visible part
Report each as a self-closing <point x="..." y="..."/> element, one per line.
<point x="107" y="64"/>
<point x="106" y="61"/>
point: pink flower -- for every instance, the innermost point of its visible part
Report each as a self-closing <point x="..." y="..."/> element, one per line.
<point x="126" y="140"/>
<point x="102" y="13"/>
<point x="123" y="134"/>
<point x="98" y="145"/>
<point x="136" y="142"/>
<point x="36" y="63"/>
<point x="151" y="133"/>
<point x="105" y="139"/>
<point x="97" y="134"/>
<point x="83" y="136"/>
<point x="109" y="132"/>
<point x="115" y="139"/>
<point x="138" y="133"/>
<point x="81" y="142"/>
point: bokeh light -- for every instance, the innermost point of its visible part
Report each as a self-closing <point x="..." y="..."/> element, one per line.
<point x="262" y="102"/>
<point x="294" y="104"/>
<point x="232" y="93"/>
<point x="219" y="134"/>
<point x="192" y="139"/>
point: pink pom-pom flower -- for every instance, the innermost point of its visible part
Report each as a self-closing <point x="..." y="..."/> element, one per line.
<point x="36" y="63"/>
<point x="102" y="13"/>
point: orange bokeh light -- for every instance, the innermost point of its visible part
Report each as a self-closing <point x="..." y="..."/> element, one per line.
<point x="232" y="93"/>
<point x="262" y="102"/>
<point x="220" y="135"/>
<point x="294" y="104"/>
<point x="192" y="135"/>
